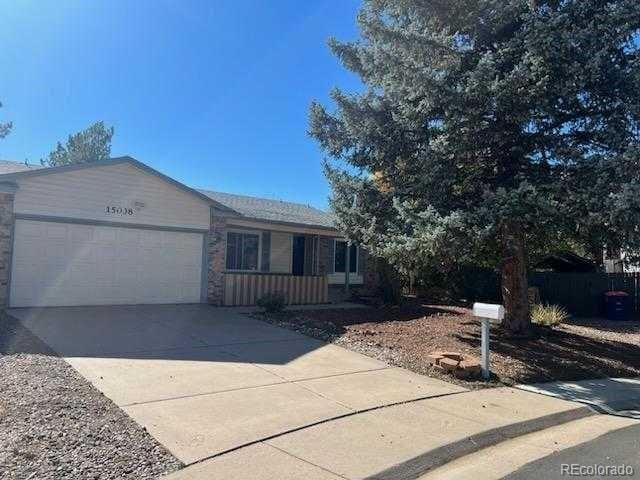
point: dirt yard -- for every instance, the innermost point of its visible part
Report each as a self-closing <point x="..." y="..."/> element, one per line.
<point x="405" y="335"/>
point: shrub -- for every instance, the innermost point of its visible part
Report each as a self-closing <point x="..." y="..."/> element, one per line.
<point x="548" y="315"/>
<point x="272" y="302"/>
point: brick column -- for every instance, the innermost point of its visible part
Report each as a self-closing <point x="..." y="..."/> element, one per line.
<point x="7" y="192"/>
<point x="216" y="252"/>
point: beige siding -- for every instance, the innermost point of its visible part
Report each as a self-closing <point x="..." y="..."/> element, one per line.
<point x="280" y="261"/>
<point x="86" y="193"/>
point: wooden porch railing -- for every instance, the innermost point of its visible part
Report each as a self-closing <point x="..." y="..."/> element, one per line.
<point x="246" y="288"/>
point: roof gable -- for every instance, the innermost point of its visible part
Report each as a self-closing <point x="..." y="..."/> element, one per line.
<point x="252" y="208"/>
<point x="30" y="171"/>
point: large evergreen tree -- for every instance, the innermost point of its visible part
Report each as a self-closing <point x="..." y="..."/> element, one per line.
<point x="487" y="127"/>
<point x="89" y="145"/>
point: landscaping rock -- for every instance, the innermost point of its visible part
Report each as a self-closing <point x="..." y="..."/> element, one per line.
<point x="448" y="364"/>
<point x="406" y="336"/>
<point x="453" y="356"/>
<point x="435" y="357"/>
<point x="55" y="425"/>
<point x="461" y="366"/>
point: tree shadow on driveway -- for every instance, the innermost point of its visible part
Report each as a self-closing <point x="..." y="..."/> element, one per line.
<point x="167" y="332"/>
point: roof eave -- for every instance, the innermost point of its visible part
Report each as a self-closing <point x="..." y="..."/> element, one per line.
<point x="287" y="224"/>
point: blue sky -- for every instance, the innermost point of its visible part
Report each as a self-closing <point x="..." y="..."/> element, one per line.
<point x="213" y="93"/>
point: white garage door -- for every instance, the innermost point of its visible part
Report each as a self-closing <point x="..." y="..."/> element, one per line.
<point x="60" y="264"/>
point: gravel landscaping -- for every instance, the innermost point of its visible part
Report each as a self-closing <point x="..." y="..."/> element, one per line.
<point x="406" y="335"/>
<point x="55" y="425"/>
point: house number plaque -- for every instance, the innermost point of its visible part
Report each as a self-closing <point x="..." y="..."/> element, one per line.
<point x="122" y="211"/>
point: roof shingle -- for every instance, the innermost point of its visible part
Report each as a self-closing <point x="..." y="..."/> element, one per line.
<point x="9" y="166"/>
<point x="273" y="210"/>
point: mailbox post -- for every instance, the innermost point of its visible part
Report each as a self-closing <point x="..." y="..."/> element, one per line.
<point x="487" y="313"/>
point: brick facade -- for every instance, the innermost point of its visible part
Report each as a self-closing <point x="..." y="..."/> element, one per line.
<point x="6" y="244"/>
<point x="216" y="251"/>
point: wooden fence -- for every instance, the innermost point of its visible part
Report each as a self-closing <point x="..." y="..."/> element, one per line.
<point x="582" y="294"/>
<point x="247" y="288"/>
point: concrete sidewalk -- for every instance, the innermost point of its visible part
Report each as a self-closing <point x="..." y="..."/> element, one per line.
<point x="620" y="396"/>
<point x="397" y="441"/>
<point x="502" y="460"/>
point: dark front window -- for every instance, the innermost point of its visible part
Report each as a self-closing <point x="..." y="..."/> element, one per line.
<point x="341" y="257"/>
<point x="242" y="251"/>
<point x="297" y="264"/>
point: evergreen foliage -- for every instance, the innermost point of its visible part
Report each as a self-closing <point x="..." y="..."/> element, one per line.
<point x="89" y="145"/>
<point x="486" y="129"/>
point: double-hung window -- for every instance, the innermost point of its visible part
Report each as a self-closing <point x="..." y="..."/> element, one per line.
<point x="340" y="258"/>
<point x="242" y="251"/>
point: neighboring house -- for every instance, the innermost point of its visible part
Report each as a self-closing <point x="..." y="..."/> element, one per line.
<point x="566" y="262"/>
<point x="119" y="232"/>
<point x="620" y="263"/>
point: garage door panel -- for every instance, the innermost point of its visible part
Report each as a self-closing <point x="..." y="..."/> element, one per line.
<point x="74" y="264"/>
<point x="107" y="253"/>
<point x="55" y="251"/>
<point x="34" y="247"/>
<point x="30" y="230"/>
<point x="81" y="233"/>
<point x="24" y="272"/>
<point x="152" y="238"/>
<point x="189" y="291"/>
<point x="105" y="234"/>
<point x="56" y="231"/>
<point x="191" y="274"/>
<point x="128" y="236"/>
<point x="52" y="275"/>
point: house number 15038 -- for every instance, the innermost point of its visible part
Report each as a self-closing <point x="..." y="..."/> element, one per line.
<point x="119" y="210"/>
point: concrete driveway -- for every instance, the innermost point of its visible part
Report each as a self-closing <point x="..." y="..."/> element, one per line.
<point x="207" y="380"/>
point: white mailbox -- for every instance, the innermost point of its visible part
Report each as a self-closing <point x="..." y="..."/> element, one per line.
<point x="488" y="310"/>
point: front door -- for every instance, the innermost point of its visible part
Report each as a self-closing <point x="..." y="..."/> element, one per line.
<point x="298" y="255"/>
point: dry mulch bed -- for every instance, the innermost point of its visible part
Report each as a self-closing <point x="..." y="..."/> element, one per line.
<point x="405" y="335"/>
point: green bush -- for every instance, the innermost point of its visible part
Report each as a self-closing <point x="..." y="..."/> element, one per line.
<point x="548" y="315"/>
<point x="272" y="302"/>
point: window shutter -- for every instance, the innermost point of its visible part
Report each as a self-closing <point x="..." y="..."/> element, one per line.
<point x="332" y="253"/>
<point x="266" y="251"/>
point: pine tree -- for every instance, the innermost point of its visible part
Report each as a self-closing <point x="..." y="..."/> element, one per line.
<point x="485" y="128"/>
<point x="5" y="128"/>
<point x="89" y="145"/>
